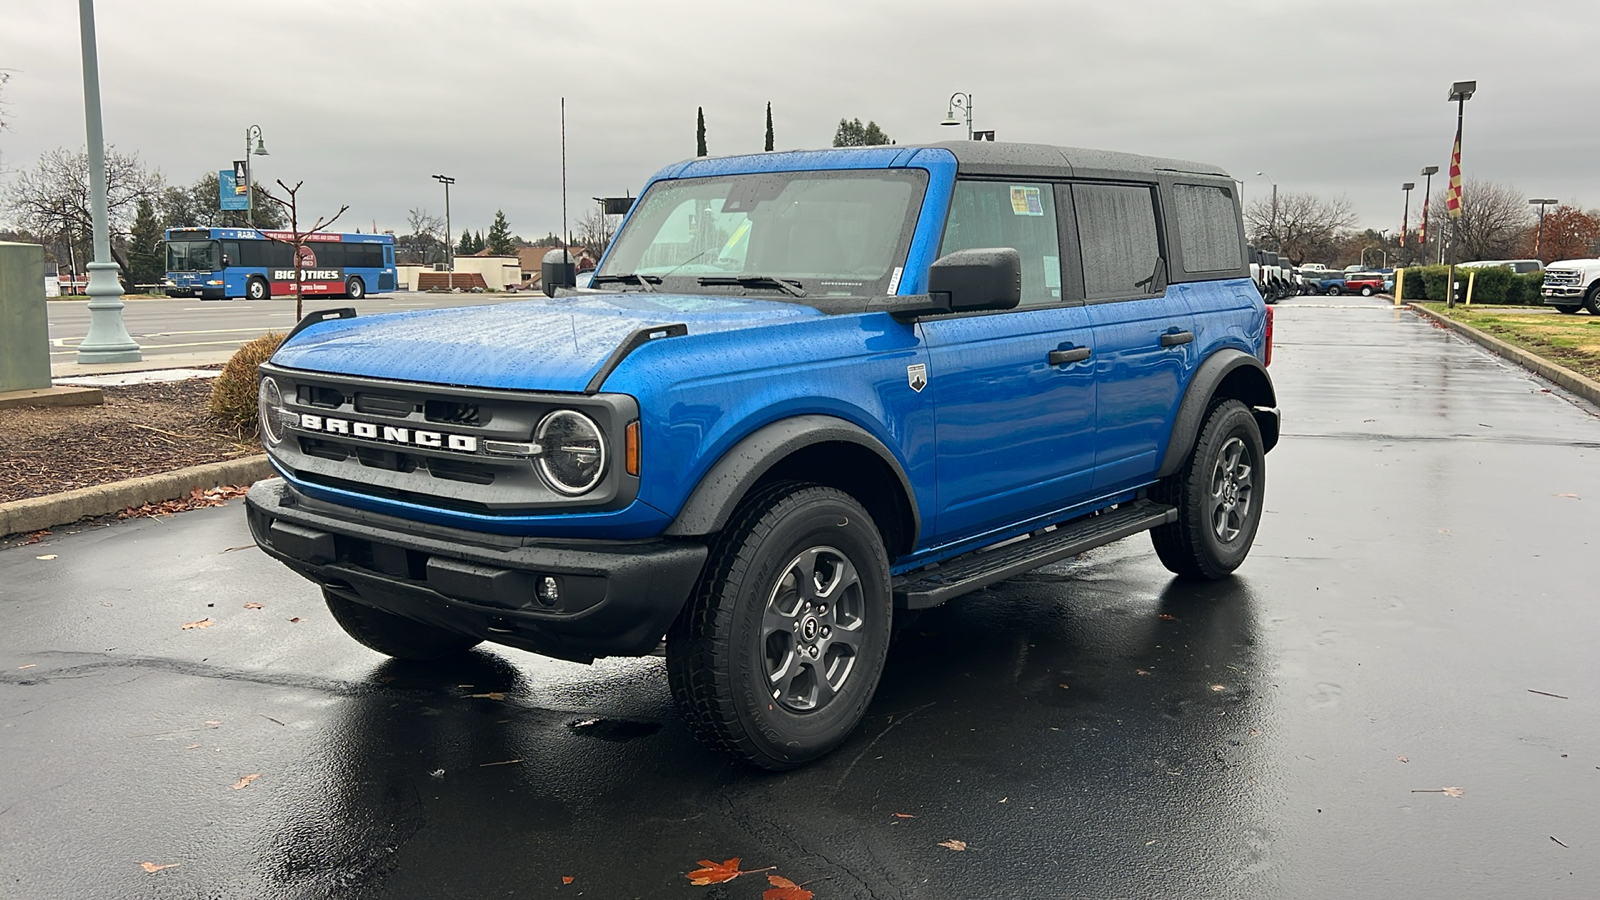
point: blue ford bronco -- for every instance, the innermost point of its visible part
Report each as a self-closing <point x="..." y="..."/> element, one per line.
<point x="805" y="394"/>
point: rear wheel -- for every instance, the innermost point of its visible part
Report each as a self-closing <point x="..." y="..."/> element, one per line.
<point x="394" y="635"/>
<point x="1218" y="493"/>
<point x="1366" y="292"/>
<point x="355" y="289"/>
<point x="777" y="656"/>
<point x="1591" y="301"/>
<point x="256" y="289"/>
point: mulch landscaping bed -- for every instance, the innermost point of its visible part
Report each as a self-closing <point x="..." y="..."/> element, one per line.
<point x="142" y="429"/>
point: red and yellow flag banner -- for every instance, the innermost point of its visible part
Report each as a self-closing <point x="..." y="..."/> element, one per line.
<point x="1453" y="199"/>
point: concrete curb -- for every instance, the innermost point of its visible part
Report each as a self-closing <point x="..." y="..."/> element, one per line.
<point x="38" y="513"/>
<point x="1583" y="386"/>
<point x="39" y="398"/>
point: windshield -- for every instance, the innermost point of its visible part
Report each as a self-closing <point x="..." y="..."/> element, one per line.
<point x="191" y="256"/>
<point x="784" y="234"/>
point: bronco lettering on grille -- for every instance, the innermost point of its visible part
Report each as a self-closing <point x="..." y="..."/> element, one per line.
<point x="416" y="437"/>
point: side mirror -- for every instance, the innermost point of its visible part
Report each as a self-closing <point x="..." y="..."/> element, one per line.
<point x="977" y="279"/>
<point x="557" y="270"/>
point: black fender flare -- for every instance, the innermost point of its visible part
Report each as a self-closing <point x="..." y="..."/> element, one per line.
<point x="714" y="499"/>
<point x="1251" y="384"/>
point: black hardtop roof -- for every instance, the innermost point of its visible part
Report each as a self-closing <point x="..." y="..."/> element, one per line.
<point x="996" y="158"/>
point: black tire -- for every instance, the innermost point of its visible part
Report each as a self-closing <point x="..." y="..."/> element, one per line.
<point x="1334" y="291"/>
<point x="741" y="672"/>
<point x="394" y="635"/>
<point x="1591" y="300"/>
<point x="1568" y="310"/>
<point x="355" y="289"/>
<point x="257" y="289"/>
<point x="1366" y="292"/>
<point x="1219" y="493"/>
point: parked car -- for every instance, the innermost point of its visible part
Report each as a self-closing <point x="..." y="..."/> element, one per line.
<point x="1329" y="282"/>
<point x="1519" y="266"/>
<point x="864" y="382"/>
<point x="1364" y="283"/>
<point x="1573" y="284"/>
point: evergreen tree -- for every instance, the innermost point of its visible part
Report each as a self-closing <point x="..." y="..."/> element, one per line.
<point x="465" y="247"/>
<point x="769" y="126"/>
<point x="700" y="131"/>
<point x="499" y="239"/>
<point x="146" y="259"/>
<point x="477" y="242"/>
<point x="852" y="133"/>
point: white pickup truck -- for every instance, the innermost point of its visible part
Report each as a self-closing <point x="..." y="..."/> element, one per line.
<point x="1573" y="283"/>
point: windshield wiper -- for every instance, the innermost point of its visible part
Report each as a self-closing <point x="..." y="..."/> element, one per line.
<point x="791" y="288"/>
<point x="645" y="281"/>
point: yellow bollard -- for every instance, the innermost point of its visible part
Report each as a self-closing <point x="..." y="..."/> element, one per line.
<point x="1399" y="285"/>
<point x="1472" y="278"/>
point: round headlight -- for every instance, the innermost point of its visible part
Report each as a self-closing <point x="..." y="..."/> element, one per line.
<point x="269" y="408"/>
<point x="573" y="455"/>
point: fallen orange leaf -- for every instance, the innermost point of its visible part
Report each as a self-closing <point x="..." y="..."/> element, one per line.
<point x="492" y="695"/>
<point x="566" y="879"/>
<point x="245" y="781"/>
<point x="904" y="816"/>
<point x="254" y="606"/>
<point x="716" y="873"/>
<point x="1218" y="687"/>
<point x="954" y="844"/>
<point x="784" y="889"/>
<point x="154" y="867"/>
<point x="203" y="623"/>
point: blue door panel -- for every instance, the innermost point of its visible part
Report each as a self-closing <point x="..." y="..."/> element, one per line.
<point x="1015" y="434"/>
<point x="1139" y="384"/>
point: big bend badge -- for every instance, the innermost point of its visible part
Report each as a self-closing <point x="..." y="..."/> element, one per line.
<point x="917" y="377"/>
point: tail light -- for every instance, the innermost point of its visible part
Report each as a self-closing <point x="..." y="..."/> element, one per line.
<point x="1267" y="356"/>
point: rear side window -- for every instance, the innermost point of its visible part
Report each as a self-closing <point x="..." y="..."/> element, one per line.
<point x="1208" y="230"/>
<point x="1118" y="240"/>
<point x="1006" y="214"/>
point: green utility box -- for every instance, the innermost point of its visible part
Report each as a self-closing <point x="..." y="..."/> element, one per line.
<point x="24" y="328"/>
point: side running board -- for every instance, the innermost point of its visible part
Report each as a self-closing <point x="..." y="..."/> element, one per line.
<point x="980" y="568"/>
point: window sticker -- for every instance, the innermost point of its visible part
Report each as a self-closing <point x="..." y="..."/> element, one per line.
<point x="1052" y="275"/>
<point x="1025" y="201"/>
<point x="894" y="279"/>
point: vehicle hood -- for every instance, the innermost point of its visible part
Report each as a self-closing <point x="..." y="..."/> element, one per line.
<point x="1573" y="264"/>
<point x="543" y="344"/>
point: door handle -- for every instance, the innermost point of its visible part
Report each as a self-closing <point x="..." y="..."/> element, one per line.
<point x="1063" y="357"/>
<point x="1176" y="338"/>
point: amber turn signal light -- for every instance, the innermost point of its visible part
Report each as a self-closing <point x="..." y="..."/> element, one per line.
<point x="633" y="448"/>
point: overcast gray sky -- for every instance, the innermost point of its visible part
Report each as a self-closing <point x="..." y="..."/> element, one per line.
<point x="365" y="99"/>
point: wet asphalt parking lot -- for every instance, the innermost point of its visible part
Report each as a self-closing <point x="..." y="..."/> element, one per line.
<point x="1398" y="695"/>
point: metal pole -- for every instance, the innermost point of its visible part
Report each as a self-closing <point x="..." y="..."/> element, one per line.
<point x="249" y="196"/>
<point x="1405" y="217"/>
<point x="1455" y="230"/>
<point x="449" y="248"/>
<point x="108" y="340"/>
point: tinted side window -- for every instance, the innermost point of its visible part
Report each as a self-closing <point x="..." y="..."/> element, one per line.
<point x="1208" y="230"/>
<point x="249" y="254"/>
<point x="1118" y="240"/>
<point x="277" y="255"/>
<point x="329" y="256"/>
<point x="1003" y="214"/>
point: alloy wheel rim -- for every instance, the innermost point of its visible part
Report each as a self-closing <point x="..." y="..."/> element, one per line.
<point x="812" y="629"/>
<point x="1232" y="491"/>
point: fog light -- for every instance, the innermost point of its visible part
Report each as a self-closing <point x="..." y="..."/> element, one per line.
<point x="549" y="591"/>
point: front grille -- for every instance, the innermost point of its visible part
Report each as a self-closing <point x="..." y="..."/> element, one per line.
<point x="1561" y="278"/>
<point x="379" y="405"/>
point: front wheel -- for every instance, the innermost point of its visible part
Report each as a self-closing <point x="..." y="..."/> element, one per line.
<point x="394" y="635"/>
<point x="256" y="289"/>
<point x="1591" y="301"/>
<point x="1218" y="493"/>
<point x="1334" y="291"/>
<point x="1366" y="292"/>
<point x="1568" y="310"/>
<point x="355" y="289"/>
<point x="776" y="657"/>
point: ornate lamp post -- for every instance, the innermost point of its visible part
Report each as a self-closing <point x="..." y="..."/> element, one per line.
<point x="108" y="340"/>
<point x="962" y="102"/>
<point x="249" y="176"/>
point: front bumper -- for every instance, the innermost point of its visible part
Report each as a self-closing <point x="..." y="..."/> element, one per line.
<point x="1562" y="294"/>
<point x="617" y="598"/>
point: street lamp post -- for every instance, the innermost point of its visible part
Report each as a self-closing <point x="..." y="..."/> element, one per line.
<point x="1460" y="93"/>
<point x="249" y="175"/>
<point x="962" y="102"/>
<point x="1427" y="195"/>
<point x="1538" y="238"/>
<point x="108" y="340"/>
<point x="449" y="248"/>
<point x="1405" y="217"/>
<point x="1272" y="226"/>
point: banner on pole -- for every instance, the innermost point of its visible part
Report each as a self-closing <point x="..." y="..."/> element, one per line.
<point x="231" y="193"/>
<point x="1453" y="199"/>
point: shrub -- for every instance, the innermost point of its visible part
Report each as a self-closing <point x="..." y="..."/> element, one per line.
<point x="233" y="394"/>
<point x="1524" y="289"/>
<point x="1489" y="283"/>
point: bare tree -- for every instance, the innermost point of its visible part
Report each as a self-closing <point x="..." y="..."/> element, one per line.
<point x="1301" y="226"/>
<point x="298" y="239"/>
<point x="1494" y="218"/>
<point x="594" y="232"/>
<point x="426" y="240"/>
<point x="52" y="198"/>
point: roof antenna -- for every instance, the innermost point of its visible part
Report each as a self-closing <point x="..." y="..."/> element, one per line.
<point x="567" y="235"/>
